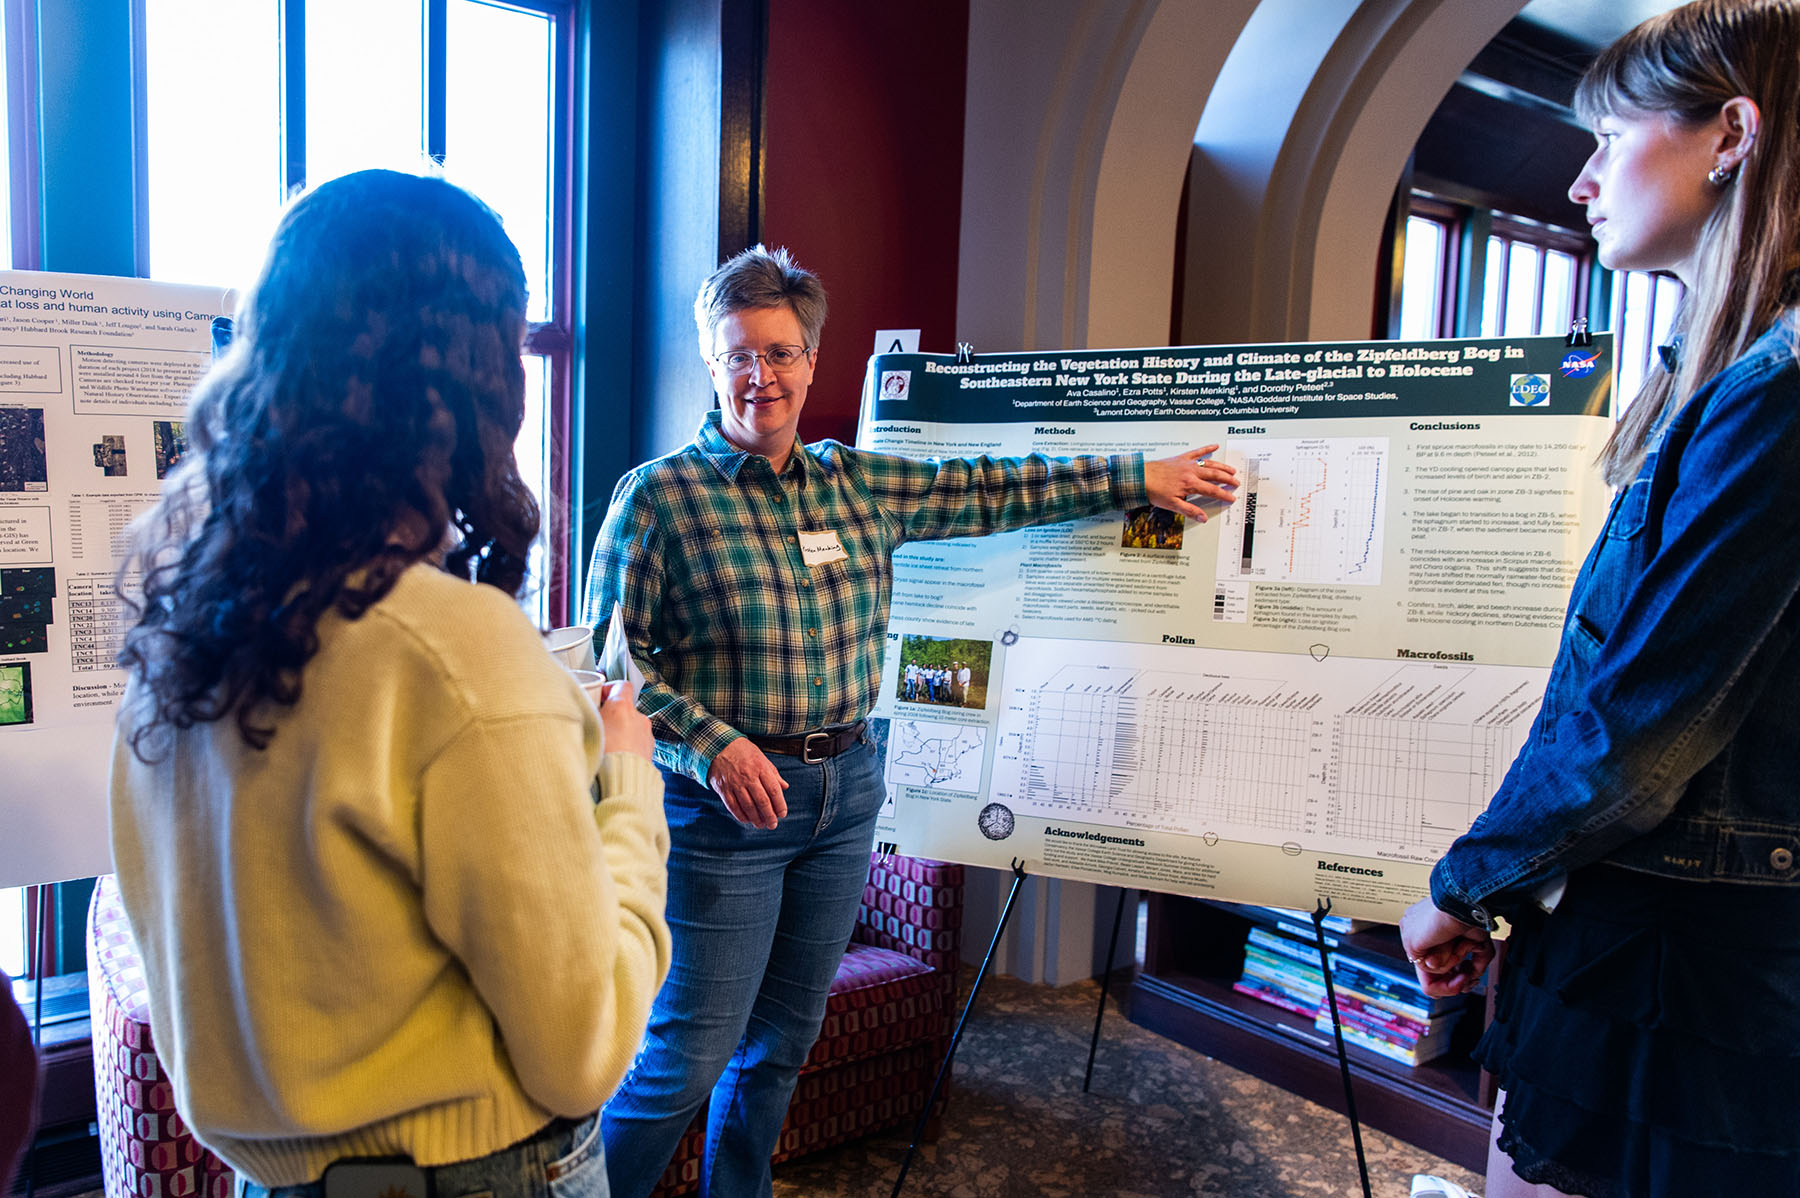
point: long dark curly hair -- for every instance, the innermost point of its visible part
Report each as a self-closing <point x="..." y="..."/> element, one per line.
<point x="362" y="421"/>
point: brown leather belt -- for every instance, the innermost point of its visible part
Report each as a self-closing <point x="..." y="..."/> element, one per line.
<point x="811" y="747"/>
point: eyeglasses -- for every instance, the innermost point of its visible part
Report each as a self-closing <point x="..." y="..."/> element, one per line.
<point x="779" y="358"/>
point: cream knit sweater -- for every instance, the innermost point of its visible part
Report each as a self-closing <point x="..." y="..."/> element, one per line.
<point x="405" y="926"/>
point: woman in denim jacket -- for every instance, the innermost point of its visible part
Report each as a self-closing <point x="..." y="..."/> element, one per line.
<point x="1644" y="844"/>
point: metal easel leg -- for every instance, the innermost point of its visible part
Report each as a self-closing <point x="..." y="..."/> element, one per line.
<point x="1018" y="868"/>
<point x="1112" y="948"/>
<point x="1337" y="1028"/>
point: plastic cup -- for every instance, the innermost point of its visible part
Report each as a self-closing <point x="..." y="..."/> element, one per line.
<point x="593" y="682"/>
<point x="573" y="646"/>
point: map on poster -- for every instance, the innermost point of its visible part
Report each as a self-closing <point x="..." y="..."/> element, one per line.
<point x="924" y="753"/>
<point x="94" y="379"/>
<point x="1310" y="694"/>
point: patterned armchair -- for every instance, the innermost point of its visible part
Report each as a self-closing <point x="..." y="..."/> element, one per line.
<point x="145" y="1150"/>
<point x="888" y="1020"/>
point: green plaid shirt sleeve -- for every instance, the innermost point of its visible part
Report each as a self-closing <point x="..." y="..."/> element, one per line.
<point x="627" y="569"/>
<point x="741" y="628"/>
<point x="961" y="497"/>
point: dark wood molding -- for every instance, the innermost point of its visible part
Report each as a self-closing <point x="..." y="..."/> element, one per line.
<point x="743" y="100"/>
<point x="1203" y="1016"/>
<point x="67" y="1096"/>
<point x="437" y="91"/>
<point x="1392" y="254"/>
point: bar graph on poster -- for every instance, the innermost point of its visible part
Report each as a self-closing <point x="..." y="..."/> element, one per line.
<point x="1309" y="695"/>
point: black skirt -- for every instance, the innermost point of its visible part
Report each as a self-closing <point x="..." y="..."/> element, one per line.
<point x="1647" y="1035"/>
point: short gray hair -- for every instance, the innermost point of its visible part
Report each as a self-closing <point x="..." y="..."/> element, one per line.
<point x="760" y="278"/>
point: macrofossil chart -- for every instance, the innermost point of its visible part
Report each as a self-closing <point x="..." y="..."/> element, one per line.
<point x="1393" y="760"/>
<point x="1310" y="509"/>
<point x="1403" y="774"/>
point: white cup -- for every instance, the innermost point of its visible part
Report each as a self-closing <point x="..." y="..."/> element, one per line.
<point x="593" y="682"/>
<point x="573" y="646"/>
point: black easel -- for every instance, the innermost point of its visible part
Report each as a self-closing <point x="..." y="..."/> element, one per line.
<point x="1337" y="1029"/>
<point x="1018" y="868"/>
<point x="1112" y="949"/>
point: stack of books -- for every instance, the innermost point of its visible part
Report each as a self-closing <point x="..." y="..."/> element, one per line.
<point x="1282" y="970"/>
<point x="1383" y="1010"/>
<point x="1380" y="1005"/>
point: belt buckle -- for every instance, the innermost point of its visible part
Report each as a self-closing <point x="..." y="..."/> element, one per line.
<point x="806" y="747"/>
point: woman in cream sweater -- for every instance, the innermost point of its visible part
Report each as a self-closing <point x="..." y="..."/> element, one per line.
<point x="381" y="913"/>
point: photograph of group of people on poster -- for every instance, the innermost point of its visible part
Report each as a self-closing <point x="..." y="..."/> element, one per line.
<point x="946" y="671"/>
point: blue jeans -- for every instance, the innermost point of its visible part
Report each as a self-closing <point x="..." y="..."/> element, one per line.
<point x="564" y="1160"/>
<point x="760" y="920"/>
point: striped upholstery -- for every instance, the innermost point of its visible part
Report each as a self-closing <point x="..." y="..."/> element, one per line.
<point x="887" y="1024"/>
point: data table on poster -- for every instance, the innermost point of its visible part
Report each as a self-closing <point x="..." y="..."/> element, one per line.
<point x="1404" y="774"/>
<point x="98" y="620"/>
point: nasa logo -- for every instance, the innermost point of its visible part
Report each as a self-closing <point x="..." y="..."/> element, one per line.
<point x="1530" y="390"/>
<point x="1579" y="365"/>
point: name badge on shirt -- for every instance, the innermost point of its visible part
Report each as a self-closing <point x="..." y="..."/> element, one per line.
<point x="818" y="548"/>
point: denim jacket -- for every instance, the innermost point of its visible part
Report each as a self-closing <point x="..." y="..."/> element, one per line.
<point x="1669" y="737"/>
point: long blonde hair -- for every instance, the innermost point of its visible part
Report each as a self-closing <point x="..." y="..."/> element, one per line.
<point x="1686" y="64"/>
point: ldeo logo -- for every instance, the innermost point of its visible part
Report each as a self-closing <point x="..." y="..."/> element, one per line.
<point x="1530" y="391"/>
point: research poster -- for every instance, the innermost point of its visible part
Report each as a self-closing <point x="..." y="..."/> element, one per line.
<point x="1307" y="696"/>
<point x="94" y="377"/>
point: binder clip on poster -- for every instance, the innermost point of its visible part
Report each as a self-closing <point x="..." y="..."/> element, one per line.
<point x="1578" y="332"/>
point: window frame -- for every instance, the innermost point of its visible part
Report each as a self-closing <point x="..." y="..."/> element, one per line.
<point x="552" y="339"/>
<point x="53" y="912"/>
<point x="24" y="158"/>
<point x="1513" y="230"/>
<point x="1598" y="295"/>
<point x="1657" y="285"/>
<point x="1463" y="273"/>
<point x="1450" y="218"/>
